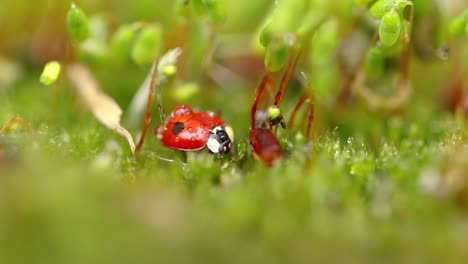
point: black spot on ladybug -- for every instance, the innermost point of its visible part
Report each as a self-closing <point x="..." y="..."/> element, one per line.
<point x="178" y="126"/>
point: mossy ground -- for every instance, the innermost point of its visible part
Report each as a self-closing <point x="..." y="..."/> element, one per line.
<point x="71" y="191"/>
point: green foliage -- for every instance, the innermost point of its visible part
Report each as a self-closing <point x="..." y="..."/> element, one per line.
<point x="77" y="24"/>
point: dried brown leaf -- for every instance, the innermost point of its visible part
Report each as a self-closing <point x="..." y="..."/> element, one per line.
<point x="104" y="108"/>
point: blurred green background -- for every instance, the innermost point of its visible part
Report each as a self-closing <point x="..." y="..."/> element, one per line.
<point x="369" y="187"/>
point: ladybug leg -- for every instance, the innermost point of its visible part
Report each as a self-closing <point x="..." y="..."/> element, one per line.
<point x="149" y="104"/>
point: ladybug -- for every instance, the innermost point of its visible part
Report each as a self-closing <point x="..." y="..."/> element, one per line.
<point x="190" y="130"/>
<point x="186" y="129"/>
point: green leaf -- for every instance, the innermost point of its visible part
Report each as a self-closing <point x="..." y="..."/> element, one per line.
<point x="51" y="73"/>
<point x="390" y="28"/>
<point x="148" y="45"/>
<point x="77" y="24"/>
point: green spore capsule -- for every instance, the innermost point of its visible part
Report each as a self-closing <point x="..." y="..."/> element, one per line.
<point x="274" y="112"/>
<point x="382" y="7"/>
<point x="77" y="24"/>
<point x="121" y="43"/>
<point x="51" y="73"/>
<point x="169" y="70"/>
<point x="148" y="45"/>
<point x="390" y="28"/>
<point x="374" y="63"/>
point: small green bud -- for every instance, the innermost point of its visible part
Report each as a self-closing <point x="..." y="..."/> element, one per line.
<point x="51" y="73"/>
<point x="273" y="112"/>
<point x="276" y="55"/>
<point x="122" y="41"/>
<point x="459" y="24"/>
<point x="390" y="28"/>
<point x="374" y="63"/>
<point x="148" y="45"/>
<point x="381" y="7"/>
<point x="77" y="24"/>
<point x="169" y="70"/>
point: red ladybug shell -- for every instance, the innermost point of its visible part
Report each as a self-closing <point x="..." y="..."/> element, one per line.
<point x="188" y="130"/>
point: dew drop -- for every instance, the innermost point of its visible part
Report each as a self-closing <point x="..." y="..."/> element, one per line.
<point x="192" y="139"/>
<point x="177" y="139"/>
<point x="190" y="130"/>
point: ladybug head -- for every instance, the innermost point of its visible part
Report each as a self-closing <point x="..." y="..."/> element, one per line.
<point x="220" y="140"/>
